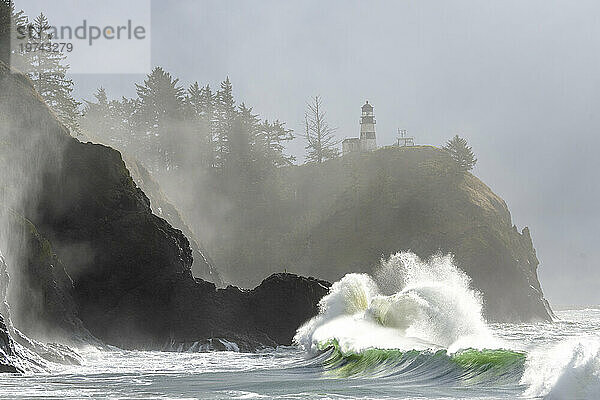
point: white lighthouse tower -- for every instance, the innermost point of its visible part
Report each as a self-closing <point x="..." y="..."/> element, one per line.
<point x="368" y="141"/>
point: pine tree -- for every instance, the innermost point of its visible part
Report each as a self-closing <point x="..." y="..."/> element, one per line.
<point x="159" y="114"/>
<point x="96" y="121"/>
<point x="321" y="144"/>
<point x="123" y="116"/>
<point x="111" y="122"/>
<point x="225" y="117"/>
<point x="18" y="37"/>
<point x="250" y="123"/>
<point x="273" y="136"/>
<point x="201" y="106"/>
<point x="48" y="72"/>
<point x="461" y="153"/>
<point x="240" y="160"/>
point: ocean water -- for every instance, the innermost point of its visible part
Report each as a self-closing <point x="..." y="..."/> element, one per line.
<point x="413" y="331"/>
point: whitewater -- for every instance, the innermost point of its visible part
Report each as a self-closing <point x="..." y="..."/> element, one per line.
<point x="415" y="330"/>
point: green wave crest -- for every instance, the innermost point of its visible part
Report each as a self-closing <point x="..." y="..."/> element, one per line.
<point x="467" y="366"/>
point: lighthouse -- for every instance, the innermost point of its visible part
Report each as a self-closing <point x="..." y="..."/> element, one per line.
<point x="368" y="141"/>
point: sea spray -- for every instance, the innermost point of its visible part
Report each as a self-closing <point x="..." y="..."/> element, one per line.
<point x="409" y="305"/>
<point x="568" y="370"/>
<point x="422" y="321"/>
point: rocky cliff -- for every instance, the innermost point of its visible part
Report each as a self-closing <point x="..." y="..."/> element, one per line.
<point x="202" y="266"/>
<point x="265" y="316"/>
<point x="8" y="353"/>
<point x="18" y="353"/>
<point x="96" y="252"/>
<point x="41" y="293"/>
<point x="346" y="214"/>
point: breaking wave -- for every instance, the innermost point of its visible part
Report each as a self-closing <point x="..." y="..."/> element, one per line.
<point x="408" y="305"/>
<point x="422" y="321"/>
<point x="469" y="367"/>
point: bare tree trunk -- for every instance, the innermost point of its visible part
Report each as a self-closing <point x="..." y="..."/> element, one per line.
<point x="321" y="143"/>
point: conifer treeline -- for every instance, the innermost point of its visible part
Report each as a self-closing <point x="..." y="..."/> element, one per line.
<point x="46" y="69"/>
<point x="170" y="128"/>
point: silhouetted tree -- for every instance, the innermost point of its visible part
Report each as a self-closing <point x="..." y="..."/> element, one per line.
<point x="111" y="122"/>
<point x="159" y="115"/>
<point x="48" y="72"/>
<point x="96" y="119"/>
<point x="225" y="117"/>
<point x="249" y="123"/>
<point x="461" y="153"/>
<point x="239" y="161"/>
<point x="20" y="26"/>
<point x="273" y="136"/>
<point x="201" y="118"/>
<point x="321" y="144"/>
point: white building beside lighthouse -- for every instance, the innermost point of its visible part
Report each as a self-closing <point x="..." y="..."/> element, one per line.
<point x="367" y="140"/>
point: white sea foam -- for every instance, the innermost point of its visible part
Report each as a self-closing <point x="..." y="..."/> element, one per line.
<point x="410" y="304"/>
<point x="568" y="370"/>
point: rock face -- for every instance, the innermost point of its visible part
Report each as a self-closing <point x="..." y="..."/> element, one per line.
<point x="126" y="271"/>
<point x="7" y="350"/>
<point x="21" y="354"/>
<point x="267" y="315"/>
<point x="345" y="215"/>
<point x="202" y="266"/>
<point x="7" y="345"/>
<point x="42" y="292"/>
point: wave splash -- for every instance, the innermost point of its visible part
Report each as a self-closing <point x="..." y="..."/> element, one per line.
<point x="408" y="305"/>
<point x="422" y="320"/>
<point x="568" y="370"/>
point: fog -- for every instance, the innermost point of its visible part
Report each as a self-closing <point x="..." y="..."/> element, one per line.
<point x="518" y="79"/>
<point x="32" y="162"/>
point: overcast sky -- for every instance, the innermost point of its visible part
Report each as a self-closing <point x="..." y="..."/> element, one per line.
<point x="519" y="79"/>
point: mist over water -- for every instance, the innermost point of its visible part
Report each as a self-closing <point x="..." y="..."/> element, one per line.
<point x="29" y="160"/>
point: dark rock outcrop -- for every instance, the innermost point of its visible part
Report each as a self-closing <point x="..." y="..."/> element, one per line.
<point x="7" y="348"/>
<point x="202" y="266"/>
<point x="128" y="271"/>
<point x="41" y="294"/>
<point x="267" y="315"/>
<point x="18" y="352"/>
<point x="7" y="345"/>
